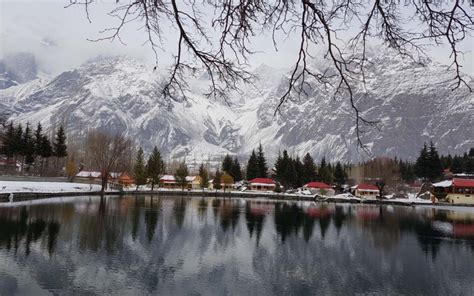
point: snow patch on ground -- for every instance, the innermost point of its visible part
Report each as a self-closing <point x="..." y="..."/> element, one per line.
<point x="46" y="187"/>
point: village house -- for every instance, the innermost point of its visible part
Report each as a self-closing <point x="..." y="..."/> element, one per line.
<point x="89" y="175"/>
<point x="319" y="188"/>
<point x="456" y="191"/>
<point x="125" y="180"/>
<point x="262" y="184"/>
<point x="169" y="182"/>
<point x="194" y="182"/>
<point x="369" y="191"/>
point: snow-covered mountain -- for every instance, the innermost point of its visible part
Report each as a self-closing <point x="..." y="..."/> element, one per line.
<point x="413" y="104"/>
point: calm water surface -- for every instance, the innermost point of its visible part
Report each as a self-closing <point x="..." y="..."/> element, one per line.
<point x="193" y="246"/>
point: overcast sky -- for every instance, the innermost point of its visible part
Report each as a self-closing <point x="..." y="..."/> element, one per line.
<point x="58" y="37"/>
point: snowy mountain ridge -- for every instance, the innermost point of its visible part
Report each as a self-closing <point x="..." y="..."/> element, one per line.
<point x="413" y="104"/>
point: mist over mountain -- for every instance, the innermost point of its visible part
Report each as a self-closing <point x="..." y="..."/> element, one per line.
<point x="413" y="104"/>
<point x="17" y="68"/>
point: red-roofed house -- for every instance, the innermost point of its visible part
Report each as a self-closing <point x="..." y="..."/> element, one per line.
<point x="319" y="188"/>
<point x="460" y="191"/>
<point x="365" y="191"/>
<point x="262" y="184"/>
<point x="168" y="181"/>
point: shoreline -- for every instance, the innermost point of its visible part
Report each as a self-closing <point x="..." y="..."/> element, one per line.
<point x="30" y="196"/>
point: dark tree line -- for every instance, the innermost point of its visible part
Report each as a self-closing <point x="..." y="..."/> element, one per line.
<point x="430" y="165"/>
<point x="32" y="148"/>
<point x="257" y="164"/>
<point x="291" y="172"/>
<point x="231" y="166"/>
<point x="151" y="171"/>
<point x="459" y="163"/>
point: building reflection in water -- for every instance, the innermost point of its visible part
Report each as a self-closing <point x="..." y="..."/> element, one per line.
<point x="155" y="239"/>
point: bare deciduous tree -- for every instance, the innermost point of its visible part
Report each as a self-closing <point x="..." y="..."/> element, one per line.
<point x="406" y="26"/>
<point x="105" y="151"/>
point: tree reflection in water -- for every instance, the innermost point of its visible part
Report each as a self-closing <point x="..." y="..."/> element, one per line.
<point x="18" y="226"/>
<point x="179" y="210"/>
<point x="150" y="244"/>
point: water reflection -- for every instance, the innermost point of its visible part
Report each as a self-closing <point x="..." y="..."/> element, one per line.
<point x="180" y="245"/>
<point x="18" y="228"/>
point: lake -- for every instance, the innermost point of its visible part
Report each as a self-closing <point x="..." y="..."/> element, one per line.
<point x="208" y="246"/>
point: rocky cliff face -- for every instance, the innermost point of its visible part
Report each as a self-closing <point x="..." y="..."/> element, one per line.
<point x="412" y="103"/>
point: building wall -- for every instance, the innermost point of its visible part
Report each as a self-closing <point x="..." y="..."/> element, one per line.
<point x="366" y="194"/>
<point x="262" y="187"/>
<point x="458" y="198"/>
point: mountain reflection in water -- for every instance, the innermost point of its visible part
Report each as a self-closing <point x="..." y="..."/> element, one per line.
<point x="172" y="245"/>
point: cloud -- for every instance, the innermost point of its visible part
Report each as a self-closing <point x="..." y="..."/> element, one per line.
<point x="59" y="37"/>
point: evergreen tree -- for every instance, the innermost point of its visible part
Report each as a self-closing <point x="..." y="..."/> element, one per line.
<point x="181" y="174"/>
<point x="457" y="165"/>
<point x="38" y="139"/>
<point x="299" y="175"/>
<point x="422" y="163"/>
<point x="434" y="164"/>
<point x="279" y="168"/>
<point x="235" y="171"/>
<point x="28" y="145"/>
<point x="46" y="149"/>
<point x="227" y="163"/>
<point x="340" y="176"/>
<point x="261" y="163"/>
<point x="290" y="177"/>
<point x="154" y="167"/>
<point x="139" y="171"/>
<point x="252" y="166"/>
<point x="18" y="146"/>
<point x="8" y="141"/>
<point x="325" y="172"/>
<point x="309" y="169"/>
<point x="59" y="143"/>
<point x="204" y="177"/>
<point x="469" y="162"/>
<point x="216" y="183"/>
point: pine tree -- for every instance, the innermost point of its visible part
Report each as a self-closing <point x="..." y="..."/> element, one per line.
<point x="279" y="168"/>
<point x="309" y="169"/>
<point x="261" y="163"/>
<point x="38" y="139"/>
<point x="139" y="172"/>
<point x="28" y="144"/>
<point x="422" y="163"/>
<point x="434" y="164"/>
<point x="18" y="146"/>
<point x="8" y="142"/>
<point x="181" y="174"/>
<point x="216" y="183"/>
<point x="235" y="171"/>
<point x="252" y="166"/>
<point x="340" y="176"/>
<point x="154" y="167"/>
<point x="299" y="174"/>
<point x="46" y="149"/>
<point x="204" y="177"/>
<point x="290" y="175"/>
<point x="457" y="165"/>
<point x="227" y="164"/>
<point x="325" y="171"/>
<point x="59" y="143"/>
